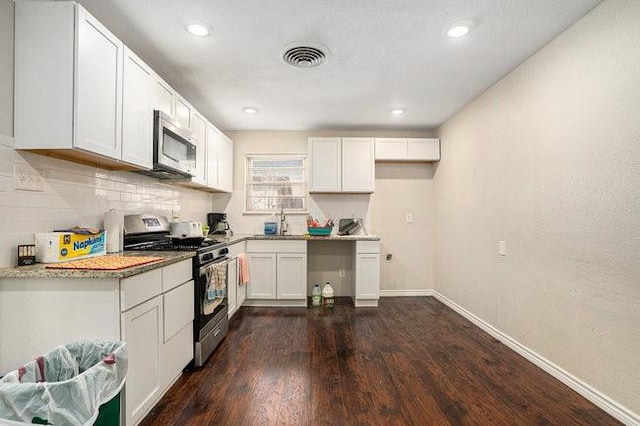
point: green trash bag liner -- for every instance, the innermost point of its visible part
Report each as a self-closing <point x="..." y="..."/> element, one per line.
<point x="65" y="386"/>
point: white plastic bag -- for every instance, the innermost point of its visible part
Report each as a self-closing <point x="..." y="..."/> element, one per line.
<point x="66" y="386"/>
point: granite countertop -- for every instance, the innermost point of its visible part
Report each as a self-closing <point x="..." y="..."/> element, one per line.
<point x="332" y="237"/>
<point x="39" y="270"/>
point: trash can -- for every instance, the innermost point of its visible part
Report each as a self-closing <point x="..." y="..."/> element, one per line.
<point x="74" y="384"/>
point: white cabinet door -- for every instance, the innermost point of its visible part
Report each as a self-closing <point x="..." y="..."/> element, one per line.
<point x="183" y="112"/>
<point x="178" y="309"/>
<point x="263" y="276"/>
<point x="214" y="139"/>
<point x="358" y="165"/>
<point x="177" y="349"/>
<point x="242" y="295"/>
<point x="292" y="276"/>
<point x="141" y="329"/>
<point x="367" y="276"/>
<point x="325" y="165"/>
<point x="425" y="149"/>
<point x="137" y="111"/>
<point x="98" y="106"/>
<point x="232" y="283"/>
<point x="199" y="129"/>
<point x="163" y="97"/>
<point x="391" y="149"/>
<point x="225" y="165"/>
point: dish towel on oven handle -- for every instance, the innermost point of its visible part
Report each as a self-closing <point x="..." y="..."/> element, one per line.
<point x="243" y="277"/>
<point x="216" y="280"/>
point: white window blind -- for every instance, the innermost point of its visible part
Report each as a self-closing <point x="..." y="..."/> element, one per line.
<point x="275" y="182"/>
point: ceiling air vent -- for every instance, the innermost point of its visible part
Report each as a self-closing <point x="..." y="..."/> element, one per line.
<point x="304" y="56"/>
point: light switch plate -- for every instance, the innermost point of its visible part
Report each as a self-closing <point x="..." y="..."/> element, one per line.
<point x="27" y="178"/>
<point x="502" y="248"/>
<point x="409" y="218"/>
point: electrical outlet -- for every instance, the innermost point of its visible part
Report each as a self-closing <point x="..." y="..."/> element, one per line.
<point x="409" y="218"/>
<point x="342" y="273"/>
<point x="27" y="178"/>
<point x="389" y="257"/>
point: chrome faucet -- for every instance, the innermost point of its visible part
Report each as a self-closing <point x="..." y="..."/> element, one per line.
<point x="284" y="225"/>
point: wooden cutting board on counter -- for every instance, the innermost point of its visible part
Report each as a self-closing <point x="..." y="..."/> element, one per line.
<point x="106" y="263"/>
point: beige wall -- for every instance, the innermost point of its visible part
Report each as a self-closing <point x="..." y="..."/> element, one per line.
<point x="6" y="70"/>
<point x="74" y="194"/>
<point x="549" y="161"/>
<point x="400" y="189"/>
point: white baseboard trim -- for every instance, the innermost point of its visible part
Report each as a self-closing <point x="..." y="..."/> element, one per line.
<point x="615" y="409"/>
<point x="405" y="293"/>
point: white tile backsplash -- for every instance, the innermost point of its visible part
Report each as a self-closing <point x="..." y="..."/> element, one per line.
<point x="75" y="194"/>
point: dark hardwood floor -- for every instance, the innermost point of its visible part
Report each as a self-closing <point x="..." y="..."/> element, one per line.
<point x="412" y="361"/>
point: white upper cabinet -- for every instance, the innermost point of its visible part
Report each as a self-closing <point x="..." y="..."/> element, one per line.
<point x="225" y="165"/>
<point x="423" y="149"/>
<point x="391" y="149"/>
<point x="199" y="129"/>
<point x="68" y="83"/>
<point x="412" y="149"/>
<point x="98" y="87"/>
<point x="183" y="112"/>
<point x="358" y="167"/>
<point x="219" y="160"/>
<point x="137" y="111"/>
<point x="341" y="165"/>
<point x="325" y="165"/>
<point x="214" y="139"/>
<point x="163" y="97"/>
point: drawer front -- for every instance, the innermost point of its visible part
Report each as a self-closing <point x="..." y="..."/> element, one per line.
<point x="367" y="246"/>
<point x="176" y="274"/>
<point x="139" y="288"/>
<point x="178" y="309"/>
<point x="270" y="246"/>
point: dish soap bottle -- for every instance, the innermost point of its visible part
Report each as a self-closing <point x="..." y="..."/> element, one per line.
<point x="327" y="296"/>
<point x="316" y="296"/>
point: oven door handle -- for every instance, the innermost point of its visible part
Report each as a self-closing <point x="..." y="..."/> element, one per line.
<point x="202" y="269"/>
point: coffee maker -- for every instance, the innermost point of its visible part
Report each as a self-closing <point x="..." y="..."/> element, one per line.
<point x="218" y="224"/>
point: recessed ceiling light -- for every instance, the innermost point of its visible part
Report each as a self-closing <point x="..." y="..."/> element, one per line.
<point x="198" y="29"/>
<point x="397" y="111"/>
<point x="459" y="30"/>
<point x="250" y="110"/>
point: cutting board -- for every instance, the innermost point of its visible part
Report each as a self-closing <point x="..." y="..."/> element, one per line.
<point x="106" y="263"/>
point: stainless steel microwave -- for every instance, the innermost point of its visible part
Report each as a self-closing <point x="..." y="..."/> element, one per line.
<point x="174" y="153"/>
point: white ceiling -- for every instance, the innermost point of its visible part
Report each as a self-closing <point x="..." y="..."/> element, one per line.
<point x="385" y="54"/>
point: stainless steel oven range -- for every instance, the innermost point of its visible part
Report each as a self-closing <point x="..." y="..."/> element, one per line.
<point x="211" y="323"/>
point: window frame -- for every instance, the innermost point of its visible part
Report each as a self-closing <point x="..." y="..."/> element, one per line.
<point x="282" y="156"/>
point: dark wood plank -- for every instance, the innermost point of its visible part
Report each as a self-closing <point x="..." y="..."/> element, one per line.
<point x="410" y="361"/>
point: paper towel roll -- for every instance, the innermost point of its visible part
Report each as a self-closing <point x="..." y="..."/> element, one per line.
<point x="113" y="224"/>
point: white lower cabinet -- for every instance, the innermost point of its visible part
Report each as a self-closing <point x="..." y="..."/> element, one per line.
<point x="367" y="273"/>
<point x="141" y="329"/>
<point x="263" y="275"/>
<point x="237" y="293"/>
<point x="291" y="273"/>
<point x="278" y="272"/>
<point x="156" y="322"/>
<point x="232" y="286"/>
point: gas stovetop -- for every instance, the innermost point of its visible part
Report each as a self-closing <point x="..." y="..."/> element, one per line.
<point x="169" y="244"/>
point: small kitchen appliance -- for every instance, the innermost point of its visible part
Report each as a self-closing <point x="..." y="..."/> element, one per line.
<point x="218" y="224"/>
<point x="210" y="322"/>
<point x="185" y="229"/>
<point x="174" y="149"/>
